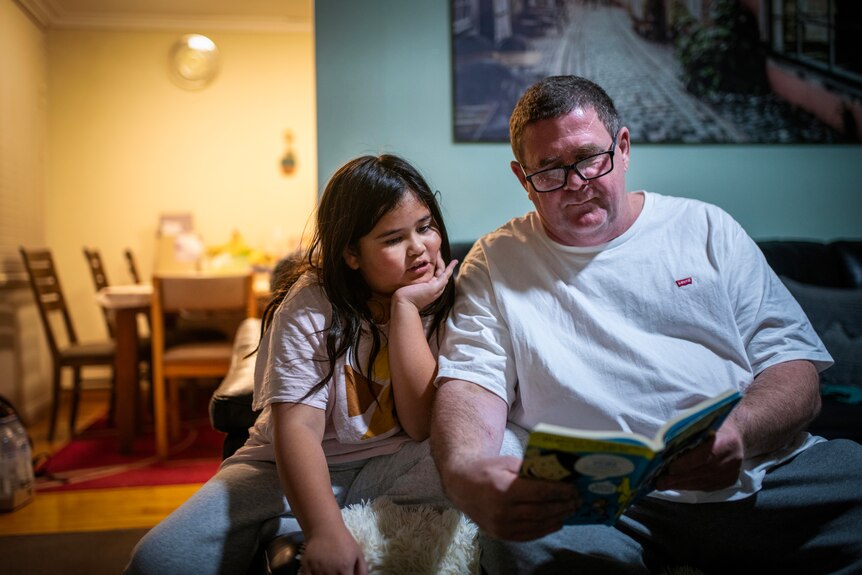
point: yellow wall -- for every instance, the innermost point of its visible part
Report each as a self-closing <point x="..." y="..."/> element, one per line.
<point x="96" y="142"/>
<point x="25" y="362"/>
<point x="126" y="144"/>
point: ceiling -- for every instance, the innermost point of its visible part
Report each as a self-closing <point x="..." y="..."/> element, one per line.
<point x="169" y="14"/>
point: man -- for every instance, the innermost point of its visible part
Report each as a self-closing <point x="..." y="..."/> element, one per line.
<point x="614" y="310"/>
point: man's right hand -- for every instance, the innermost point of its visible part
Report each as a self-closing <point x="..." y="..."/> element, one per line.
<point x="506" y="506"/>
<point x="467" y="433"/>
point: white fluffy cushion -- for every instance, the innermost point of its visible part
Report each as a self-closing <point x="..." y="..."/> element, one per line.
<point x="423" y="540"/>
<point x="416" y="539"/>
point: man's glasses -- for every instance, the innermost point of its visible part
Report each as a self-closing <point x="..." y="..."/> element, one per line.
<point x="588" y="168"/>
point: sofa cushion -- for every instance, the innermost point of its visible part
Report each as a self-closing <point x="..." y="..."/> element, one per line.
<point x="850" y="253"/>
<point x="847" y="371"/>
<point x="826" y="306"/>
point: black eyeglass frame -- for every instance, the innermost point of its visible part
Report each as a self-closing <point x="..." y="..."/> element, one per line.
<point x="574" y="167"/>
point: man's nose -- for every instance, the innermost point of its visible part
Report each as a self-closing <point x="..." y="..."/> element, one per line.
<point x="573" y="180"/>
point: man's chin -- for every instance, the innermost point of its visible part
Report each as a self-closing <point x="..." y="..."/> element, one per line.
<point x="586" y="233"/>
<point x="589" y="222"/>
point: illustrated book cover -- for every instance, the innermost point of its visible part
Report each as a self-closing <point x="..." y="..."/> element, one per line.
<point x="612" y="470"/>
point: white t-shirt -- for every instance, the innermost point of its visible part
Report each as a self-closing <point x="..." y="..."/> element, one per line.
<point x="360" y="420"/>
<point x="622" y="336"/>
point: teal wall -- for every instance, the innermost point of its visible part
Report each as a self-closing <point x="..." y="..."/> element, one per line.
<point x="384" y="85"/>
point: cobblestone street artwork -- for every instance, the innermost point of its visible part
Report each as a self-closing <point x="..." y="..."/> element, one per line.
<point x="598" y="39"/>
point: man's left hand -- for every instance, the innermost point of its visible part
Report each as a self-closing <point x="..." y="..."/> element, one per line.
<point x="712" y="465"/>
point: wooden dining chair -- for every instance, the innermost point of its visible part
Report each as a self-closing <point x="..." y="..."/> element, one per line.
<point x="66" y="350"/>
<point x="226" y="299"/>
<point x="100" y="281"/>
<point x="132" y="266"/>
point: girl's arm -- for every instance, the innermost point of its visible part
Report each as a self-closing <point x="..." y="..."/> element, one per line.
<point x="297" y="435"/>
<point x="411" y="363"/>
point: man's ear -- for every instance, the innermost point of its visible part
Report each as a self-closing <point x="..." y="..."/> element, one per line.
<point x="351" y="258"/>
<point x="519" y="173"/>
<point x="625" y="145"/>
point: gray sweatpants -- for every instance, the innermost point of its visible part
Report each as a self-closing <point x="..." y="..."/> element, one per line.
<point x="220" y="529"/>
<point x="807" y="518"/>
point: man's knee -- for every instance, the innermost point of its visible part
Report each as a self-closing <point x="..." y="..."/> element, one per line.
<point x="588" y="549"/>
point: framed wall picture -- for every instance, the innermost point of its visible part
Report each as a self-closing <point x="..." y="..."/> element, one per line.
<point x="680" y="71"/>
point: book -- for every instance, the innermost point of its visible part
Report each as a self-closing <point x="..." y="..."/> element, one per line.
<point x="611" y="469"/>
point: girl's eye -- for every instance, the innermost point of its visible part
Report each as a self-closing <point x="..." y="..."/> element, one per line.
<point x="393" y="241"/>
<point x="424" y="229"/>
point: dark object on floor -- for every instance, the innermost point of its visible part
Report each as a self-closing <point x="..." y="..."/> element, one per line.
<point x="282" y="554"/>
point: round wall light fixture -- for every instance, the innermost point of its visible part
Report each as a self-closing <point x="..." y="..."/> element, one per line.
<point x="194" y="61"/>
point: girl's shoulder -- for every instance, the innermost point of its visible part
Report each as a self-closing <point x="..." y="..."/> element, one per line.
<point x="306" y="296"/>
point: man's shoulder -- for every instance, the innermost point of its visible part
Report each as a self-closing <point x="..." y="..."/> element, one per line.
<point x="506" y="242"/>
<point x="519" y="229"/>
<point x="682" y="201"/>
<point x="685" y="208"/>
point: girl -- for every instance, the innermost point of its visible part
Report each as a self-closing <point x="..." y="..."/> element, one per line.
<point x="344" y="378"/>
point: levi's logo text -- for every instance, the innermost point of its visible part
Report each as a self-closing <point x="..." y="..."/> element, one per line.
<point x="683" y="282"/>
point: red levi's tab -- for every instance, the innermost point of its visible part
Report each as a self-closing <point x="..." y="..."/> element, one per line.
<point x="683" y="282"/>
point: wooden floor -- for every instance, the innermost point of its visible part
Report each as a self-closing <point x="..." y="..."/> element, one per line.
<point x="88" y="510"/>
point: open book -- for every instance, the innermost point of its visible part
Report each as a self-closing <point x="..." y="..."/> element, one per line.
<point x="611" y="469"/>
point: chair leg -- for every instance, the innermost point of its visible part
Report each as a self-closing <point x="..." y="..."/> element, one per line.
<point x="112" y="407"/>
<point x="76" y="397"/>
<point x="112" y="400"/>
<point x="160" y="416"/>
<point x="55" y="401"/>
<point x="146" y="401"/>
<point x="174" y="408"/>
<point x="142" y="405"/>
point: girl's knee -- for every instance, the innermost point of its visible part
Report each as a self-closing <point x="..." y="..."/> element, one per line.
<point x="145" y="559"/>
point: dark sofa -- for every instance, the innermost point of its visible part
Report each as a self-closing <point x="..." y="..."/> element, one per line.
<point x="825" y="278"/>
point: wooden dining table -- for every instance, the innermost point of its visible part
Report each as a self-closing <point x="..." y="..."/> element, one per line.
<point x="127" y="302"/>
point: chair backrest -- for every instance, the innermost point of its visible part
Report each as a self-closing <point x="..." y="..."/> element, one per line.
<point x="133" y="268"/>
<point x="48" y="294"/>
<point x="211" y="294"/>
<point x="97" y="269"/>
<point x="100" y="280"/>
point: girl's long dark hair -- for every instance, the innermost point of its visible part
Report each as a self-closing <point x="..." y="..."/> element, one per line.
<point x="356" y="197"/>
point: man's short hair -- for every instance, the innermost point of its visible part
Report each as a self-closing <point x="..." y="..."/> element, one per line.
<point x="556" y="96"/>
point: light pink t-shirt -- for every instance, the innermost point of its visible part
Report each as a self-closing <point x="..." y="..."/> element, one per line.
<point x="360" y="418"/>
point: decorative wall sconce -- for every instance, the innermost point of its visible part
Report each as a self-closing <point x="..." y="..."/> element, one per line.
<point x="288" y="160"/>
<point x="193" y="61"/>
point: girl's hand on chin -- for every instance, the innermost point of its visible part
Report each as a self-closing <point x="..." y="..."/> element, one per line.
<point x="423" y="294"/>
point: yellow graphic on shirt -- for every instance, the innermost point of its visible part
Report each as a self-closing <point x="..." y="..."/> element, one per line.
<point x="361" y="396"/>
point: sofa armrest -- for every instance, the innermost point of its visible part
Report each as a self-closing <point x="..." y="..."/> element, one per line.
<point x="230" y="405"/>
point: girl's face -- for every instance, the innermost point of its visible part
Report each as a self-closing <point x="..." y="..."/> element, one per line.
<point x="401" y="249"/>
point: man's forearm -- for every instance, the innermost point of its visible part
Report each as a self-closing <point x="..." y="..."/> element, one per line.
<point x="467" y="424"/>
<point x="782" y="400"/>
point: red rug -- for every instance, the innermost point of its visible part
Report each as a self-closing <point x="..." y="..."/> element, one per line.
<point x="92" y="460"/>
